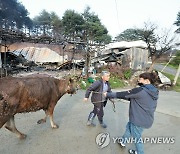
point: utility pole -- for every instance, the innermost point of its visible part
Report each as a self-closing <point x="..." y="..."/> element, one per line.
<point x="171" y="57"/>
<point x="5" y="59"/>
<point x="177" y="75"/>
<point x="63" y="48"/>
<point x="87" y="59"/>
<point x="0" y="58"/>
<point x="73" y="59"/>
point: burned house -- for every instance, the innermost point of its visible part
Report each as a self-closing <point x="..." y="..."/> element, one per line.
<point x="11" y="63"/>
<point x="128" y="54"/>
<point x="18" y="49"/>
<point x="27" y="58"/>
<point x="38" y="58"/>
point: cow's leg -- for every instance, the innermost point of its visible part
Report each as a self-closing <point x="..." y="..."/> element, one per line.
<point x="50" y="112"/>
<point x="53" y="125"/>
<point x="10" y="125"/>
<point x="43" y="120"/>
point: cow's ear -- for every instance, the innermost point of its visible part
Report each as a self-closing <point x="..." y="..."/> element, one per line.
<point x="71" y="80"/>
<point x="75" y="78"/>
<point x="1" y="96"/>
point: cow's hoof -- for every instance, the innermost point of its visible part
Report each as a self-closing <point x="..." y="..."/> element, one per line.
<point x="55" y="126"/>
<point x="41" y="121"/>
<point x="23" y="136"/>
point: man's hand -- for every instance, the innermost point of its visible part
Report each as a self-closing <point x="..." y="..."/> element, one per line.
<point x="105" y="94"/>
<point x="85" y="99"/>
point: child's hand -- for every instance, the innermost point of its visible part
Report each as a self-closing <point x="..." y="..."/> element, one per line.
<point x="105" y="94"/>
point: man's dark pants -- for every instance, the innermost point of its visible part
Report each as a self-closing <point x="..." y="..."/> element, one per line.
<point x="98" y="110"/>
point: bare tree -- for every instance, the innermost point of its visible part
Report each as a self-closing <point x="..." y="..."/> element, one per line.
<point x="157" y="44"/>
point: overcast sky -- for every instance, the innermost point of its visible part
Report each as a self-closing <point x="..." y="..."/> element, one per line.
<point x="116" y="15"/>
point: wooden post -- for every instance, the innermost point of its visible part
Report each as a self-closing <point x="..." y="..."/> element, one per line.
<point x="5" y="59"/>
<point x="0" y="58"/>
<point x="167" y="64"/>
<point x="87" y="59"/>
<point x="177" y="75"/>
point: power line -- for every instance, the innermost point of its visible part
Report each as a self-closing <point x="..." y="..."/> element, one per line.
<point x="117" y="14"/>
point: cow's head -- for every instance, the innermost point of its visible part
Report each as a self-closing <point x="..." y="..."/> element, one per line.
<point x="71" y="88"/>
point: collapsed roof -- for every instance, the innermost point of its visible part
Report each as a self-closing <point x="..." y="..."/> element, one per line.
<point x="125" y="44"/>
<point x="40" y="55"/>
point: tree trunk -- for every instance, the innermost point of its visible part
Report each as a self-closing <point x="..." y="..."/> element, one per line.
<point x="152" y="66"/>
<point x="154" y="59"/>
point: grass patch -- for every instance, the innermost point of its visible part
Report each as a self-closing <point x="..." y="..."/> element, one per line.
<point x="170" y="65"/>
<point x="128" y="74"/>
<point x="171" y="77"/>
<point x="115" y="82"/>
<point x="173" y="66"/>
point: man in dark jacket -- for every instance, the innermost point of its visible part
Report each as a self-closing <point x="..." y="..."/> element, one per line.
<point x="143" y="102"/>
<point x="98" y="99"/>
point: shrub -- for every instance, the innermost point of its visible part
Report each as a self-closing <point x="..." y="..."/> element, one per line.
<point x="127" y="74"/>
<point x="116" y="82"/>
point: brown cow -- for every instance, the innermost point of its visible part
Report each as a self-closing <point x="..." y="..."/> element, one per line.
<point x="30" y="94"/>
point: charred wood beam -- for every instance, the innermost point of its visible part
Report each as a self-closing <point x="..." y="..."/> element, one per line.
<point x="11" y="36"/>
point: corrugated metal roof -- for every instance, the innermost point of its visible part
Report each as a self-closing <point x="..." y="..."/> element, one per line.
<point x="39" y="55"/>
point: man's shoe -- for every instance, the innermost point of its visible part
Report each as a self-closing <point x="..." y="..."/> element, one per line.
<point x="132" y="151"/>
<point x="122" y="145"/>
<point x="103" y="125"/>
<point x="90" y="123"/>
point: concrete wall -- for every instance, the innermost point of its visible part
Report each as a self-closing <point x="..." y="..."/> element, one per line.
<point x="138" y="58"/>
